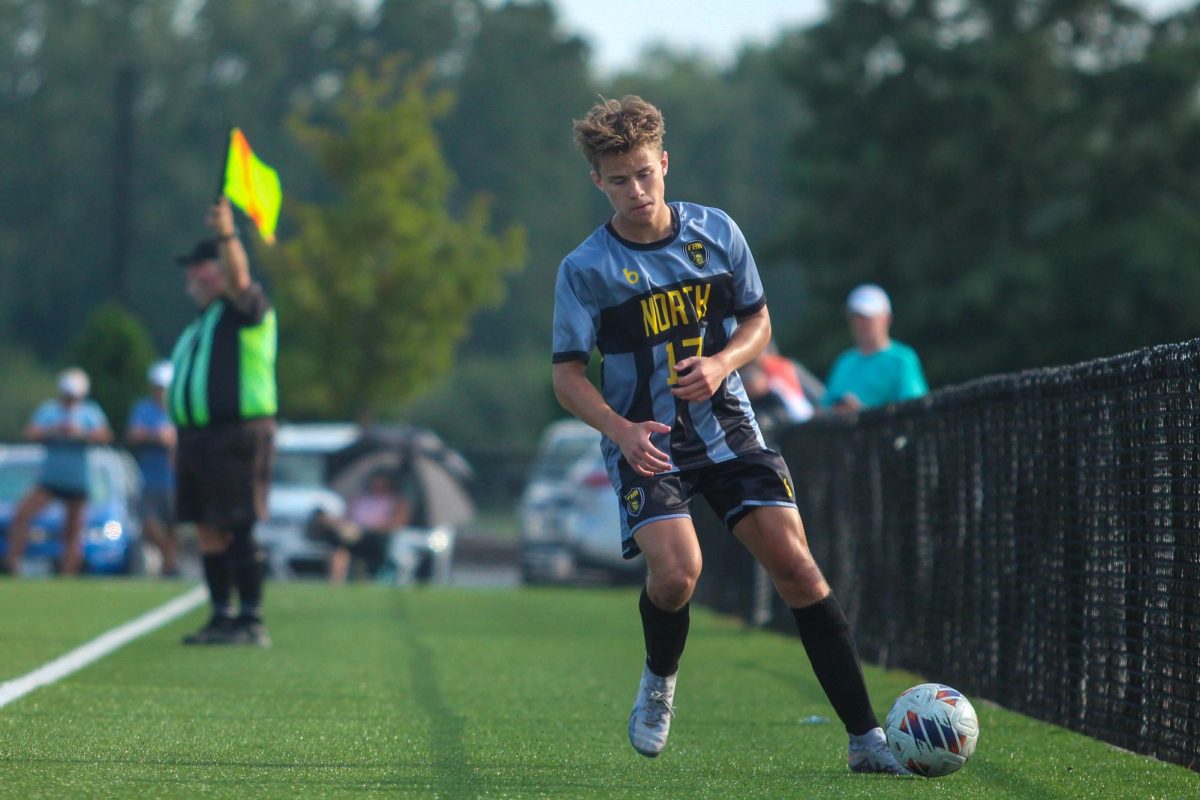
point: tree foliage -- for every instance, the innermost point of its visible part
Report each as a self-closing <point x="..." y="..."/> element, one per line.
<point x="998" y="169"/>
<point x="1020" y="174"/>
<point x="376" y="289"/>
<point x="114" y="349"/>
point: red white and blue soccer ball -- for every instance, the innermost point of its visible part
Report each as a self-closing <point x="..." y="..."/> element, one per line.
<point x="932" y="729"/>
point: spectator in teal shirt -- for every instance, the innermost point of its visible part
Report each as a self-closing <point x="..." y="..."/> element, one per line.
<point x="877" y="370"/>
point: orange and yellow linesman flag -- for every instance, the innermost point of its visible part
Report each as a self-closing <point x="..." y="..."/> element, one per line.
<point x="252" y="186"/>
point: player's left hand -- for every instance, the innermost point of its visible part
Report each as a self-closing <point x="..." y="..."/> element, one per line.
<point x="699" y="377"/>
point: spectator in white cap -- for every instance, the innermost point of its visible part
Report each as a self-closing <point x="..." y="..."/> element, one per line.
<point x="878" y="370"/>
<point x="151" y="437"/>
<point x="66" y="425"/>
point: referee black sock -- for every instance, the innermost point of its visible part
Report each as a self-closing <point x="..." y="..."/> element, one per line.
<point x="247" y="565"/>
<point x="248" y="572"/>
<point x="665" y="633"/>
<point x="220" y="588"/>
<point x="830" y="647"/>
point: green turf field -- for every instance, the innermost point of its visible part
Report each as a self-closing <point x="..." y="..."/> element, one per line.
<point x="373" y="691"/>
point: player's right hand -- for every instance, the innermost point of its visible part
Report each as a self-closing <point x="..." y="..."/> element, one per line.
<point x="638" y="450"/>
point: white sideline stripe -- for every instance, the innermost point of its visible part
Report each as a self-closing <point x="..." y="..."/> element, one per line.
<point x="101" y="646"/>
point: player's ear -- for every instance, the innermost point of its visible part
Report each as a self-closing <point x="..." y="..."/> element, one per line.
<point x="664" y="162"/>
<point x="596" y="180"/>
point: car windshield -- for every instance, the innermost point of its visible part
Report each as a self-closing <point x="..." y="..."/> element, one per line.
<point x="99" y="483"/>
<point x="15" y="478"/>
<point x="298" y="468"/>
<point x="559" y="455"/>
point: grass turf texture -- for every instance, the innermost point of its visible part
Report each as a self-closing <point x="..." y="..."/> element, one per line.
<point x="372" y="691"/>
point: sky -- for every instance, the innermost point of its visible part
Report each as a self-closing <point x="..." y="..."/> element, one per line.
<point x="619" y="30"/>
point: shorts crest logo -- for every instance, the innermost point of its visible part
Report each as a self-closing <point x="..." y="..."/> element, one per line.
<point x="635" y="501"/>
<point x="696" y="253"/>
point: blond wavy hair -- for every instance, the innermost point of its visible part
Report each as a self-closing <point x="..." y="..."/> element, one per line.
<point x="618" y="126"/>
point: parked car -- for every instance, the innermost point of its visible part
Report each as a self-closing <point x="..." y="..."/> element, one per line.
<point x="300" y="487"/>
<point x="321" y="466"/>
<point x="545" y="556"/>
<point x="112" y="535"/>
<point x="591" y="522"/>
<point x="569" y="520"/>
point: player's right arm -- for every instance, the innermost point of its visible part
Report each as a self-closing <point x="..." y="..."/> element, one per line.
<point x="579" y="396"/>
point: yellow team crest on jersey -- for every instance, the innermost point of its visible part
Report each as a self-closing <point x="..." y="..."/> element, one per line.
<point x="635" y="501"/>
<point x="631" y="276"/>
<point x="696" y="253"/>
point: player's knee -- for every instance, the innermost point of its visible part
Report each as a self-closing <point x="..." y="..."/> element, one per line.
<point x="800" y="581"/>
<point x="241" y="544"/>
<point x="672" y="588"/>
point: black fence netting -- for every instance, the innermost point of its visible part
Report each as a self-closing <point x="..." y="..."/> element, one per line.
<point x="1032" y="539"/>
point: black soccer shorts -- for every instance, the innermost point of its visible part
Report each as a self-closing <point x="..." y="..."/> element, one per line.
<point x="733" y="488"/>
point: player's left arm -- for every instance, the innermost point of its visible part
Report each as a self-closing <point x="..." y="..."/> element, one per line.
<point x="700" y="376"/>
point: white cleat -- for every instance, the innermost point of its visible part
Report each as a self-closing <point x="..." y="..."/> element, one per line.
<point x="870" y="753"/>
<point x="650" y="720"/>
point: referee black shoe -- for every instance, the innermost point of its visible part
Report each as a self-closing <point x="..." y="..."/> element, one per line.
<point x="251" y="631"/>
<point x="219" y="630"/>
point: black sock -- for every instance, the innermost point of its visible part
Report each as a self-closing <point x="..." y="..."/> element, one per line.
<point x="830" y="647"/>
<point x="248" y="572"/>
<point x="220" y="589"/>
<point x="666" y="633"/>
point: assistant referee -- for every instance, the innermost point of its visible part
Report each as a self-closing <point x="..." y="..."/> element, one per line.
<point x="223" y="401"/>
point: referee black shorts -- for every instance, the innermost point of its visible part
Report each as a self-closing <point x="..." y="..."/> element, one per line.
<point x="223" y="473"/>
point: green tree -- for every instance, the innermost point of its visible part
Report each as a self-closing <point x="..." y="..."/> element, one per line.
<point x="1001" y="168"/>
<point x="521" y="82"/>
<point x="114" y="349"/>
<point x="26" y="384"/>
<point x="377" y="288"/>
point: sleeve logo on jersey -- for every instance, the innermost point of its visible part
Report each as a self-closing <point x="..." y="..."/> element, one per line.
<point x="635" y="501"/>
<point x="696" y="253"/>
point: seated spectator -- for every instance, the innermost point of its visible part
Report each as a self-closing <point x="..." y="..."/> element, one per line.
<point x="877" y="370"/>
<point x="787" y="379"/>
<point x="770" y="409"/>
<point x="373" y="516"/>
<point x="66" y="425"/>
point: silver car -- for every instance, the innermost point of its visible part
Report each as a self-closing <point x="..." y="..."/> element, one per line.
<point x="569" y="513"/>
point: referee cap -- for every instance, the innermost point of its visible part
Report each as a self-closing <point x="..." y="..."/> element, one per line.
<point x="205" y="250"/>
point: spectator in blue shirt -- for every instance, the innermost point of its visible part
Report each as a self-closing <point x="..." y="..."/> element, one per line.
<point x="877" y="370"/>
<point x="151" y="438"/>
<point x="66" y="425"/>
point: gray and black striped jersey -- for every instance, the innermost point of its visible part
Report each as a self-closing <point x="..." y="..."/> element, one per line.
<point x="645" y="307"/>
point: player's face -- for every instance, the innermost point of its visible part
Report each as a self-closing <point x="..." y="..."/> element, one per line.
<point x="634" y="185"/>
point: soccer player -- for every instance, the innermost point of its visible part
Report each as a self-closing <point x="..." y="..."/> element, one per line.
<point x="671" y="297"/>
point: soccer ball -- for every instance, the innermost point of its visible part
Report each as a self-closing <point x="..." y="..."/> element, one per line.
<point x="932" y="729"/>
